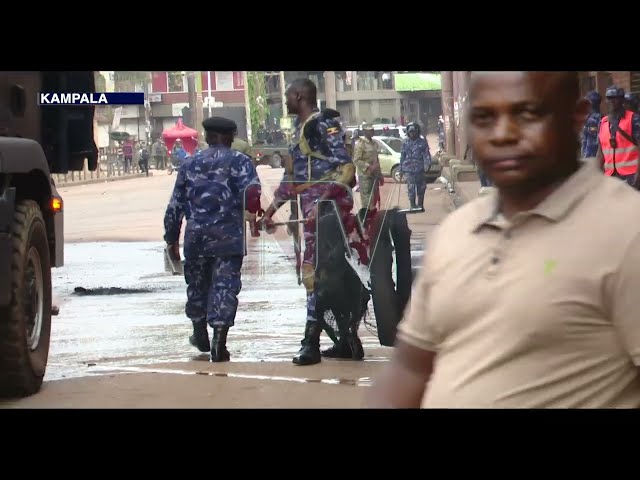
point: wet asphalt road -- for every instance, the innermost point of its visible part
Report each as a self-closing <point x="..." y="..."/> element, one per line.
<point x="96" y="334"/>
<point x="99" y="332"/>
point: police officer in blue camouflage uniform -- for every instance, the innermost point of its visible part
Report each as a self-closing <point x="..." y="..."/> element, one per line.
<point x="591" y="126"/>
<point x="631" y="102"/>
<point x="215" y="186"/>
<point x="415" y="160"/>
<point x="321" y="165"/>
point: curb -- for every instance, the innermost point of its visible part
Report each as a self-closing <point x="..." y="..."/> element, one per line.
<point x="102" y="180"/>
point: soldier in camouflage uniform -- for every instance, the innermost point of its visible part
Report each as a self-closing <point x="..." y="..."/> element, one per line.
<point x="215" y="186"/>
<point x="415" y="160"/>
<point x="365" y="158"/>
<point x="321" y="168"/>
<point x="591" y="126"/>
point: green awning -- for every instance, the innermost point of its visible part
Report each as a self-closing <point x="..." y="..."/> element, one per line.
<point x="413" y="82"/>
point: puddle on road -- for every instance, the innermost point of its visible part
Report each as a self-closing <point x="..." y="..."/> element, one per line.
<point x="110" y="291"/>
<point x="357" y="382"/>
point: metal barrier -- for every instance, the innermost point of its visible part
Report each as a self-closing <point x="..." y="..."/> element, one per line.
<point x="110" y="164"/>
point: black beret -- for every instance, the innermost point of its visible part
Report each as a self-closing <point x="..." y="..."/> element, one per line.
<point x="219" y="125"/>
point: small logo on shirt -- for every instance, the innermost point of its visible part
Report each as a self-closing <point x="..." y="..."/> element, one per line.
<point x="549" y="266"/>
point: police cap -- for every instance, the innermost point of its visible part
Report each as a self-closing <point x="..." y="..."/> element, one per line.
<point x="593" y="97"/>
<point x="366" y="126"/>
<point x="219" y="125"/>
<point x="630" y="97"/>
<point x="614" y="92"/>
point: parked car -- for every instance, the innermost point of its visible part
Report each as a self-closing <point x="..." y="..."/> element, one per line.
<point x="389" y="149"/>
<point x="396" y="131"/>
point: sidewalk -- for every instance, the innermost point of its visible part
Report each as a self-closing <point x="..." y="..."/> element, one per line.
<point x="104" y="179"/>
<point x="437" y="204"/>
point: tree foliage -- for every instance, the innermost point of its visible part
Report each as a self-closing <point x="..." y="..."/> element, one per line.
<point x="257" y="90"/>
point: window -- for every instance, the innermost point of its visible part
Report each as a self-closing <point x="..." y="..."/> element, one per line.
<point x="176" y="81"/>
<point x="387" y="132"/>
<point x="382" y="149"/>
<point x="395" y="145"/>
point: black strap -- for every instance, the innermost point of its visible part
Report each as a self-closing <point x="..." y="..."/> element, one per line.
<point x="627" y="136"/>
<point x="613" y="129"/>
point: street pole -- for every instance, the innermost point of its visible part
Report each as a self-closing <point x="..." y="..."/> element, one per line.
<point x="330" y="89"/>
<point x="463" y="102"/>
<point x="283" y="94"/>
<point x="191" y="95"/>
<point x="199" y="107"/>
<point x="247" y="106"/>
<point x="209" y="91"/>
<point x="147" y="113"/>
<point x="447" y="112"/>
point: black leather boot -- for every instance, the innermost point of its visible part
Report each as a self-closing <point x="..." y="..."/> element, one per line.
<point x="421" y="202"/>
<point x="340" y="350"/>
<point x="349" y="347"/>
<point x="355" y="344"/>
<point x="200" y="337"/>
<point x="219" y="352"/>
<point x="309" y="354"/>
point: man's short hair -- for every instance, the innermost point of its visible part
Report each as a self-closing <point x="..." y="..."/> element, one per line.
<point x="306" y="88"/>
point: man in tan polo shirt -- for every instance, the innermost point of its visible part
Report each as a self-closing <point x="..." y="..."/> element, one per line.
<point x="527" y="298"/>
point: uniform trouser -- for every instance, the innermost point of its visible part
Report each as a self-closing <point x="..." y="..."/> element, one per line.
<point x="627" y="178"/>
<point x="213" y="285"/>
<point x="307" y="199"/>
<point x="159" y="162"/>
<point x="367" y="186"/>
<point x="416" y="186"/>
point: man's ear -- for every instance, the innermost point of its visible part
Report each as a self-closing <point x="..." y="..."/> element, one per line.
<point x="582" y="111"/>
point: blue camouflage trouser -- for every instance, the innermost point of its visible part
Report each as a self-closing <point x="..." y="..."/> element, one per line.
<point x="416" y="185"/>
<point x="213" y="285"/>
<point x="629" y="179"/>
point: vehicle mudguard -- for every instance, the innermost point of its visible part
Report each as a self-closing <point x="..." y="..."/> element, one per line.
<point x="391" y="234"/>
<point x="22" y="155"/>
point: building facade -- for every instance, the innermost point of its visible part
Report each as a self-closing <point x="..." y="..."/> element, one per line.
<point x="370" y="96"/>
<point x="599" y="81"/>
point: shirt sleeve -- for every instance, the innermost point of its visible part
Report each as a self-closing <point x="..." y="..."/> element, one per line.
<point x="177" y="207"/>
<point x="622" y="296"/>
<point x="417" y="328"/>
<point x="358" y="153"/>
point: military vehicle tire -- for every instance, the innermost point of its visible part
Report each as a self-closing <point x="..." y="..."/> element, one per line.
<point x="389" y="295"/>
<point x="25" y="327"/>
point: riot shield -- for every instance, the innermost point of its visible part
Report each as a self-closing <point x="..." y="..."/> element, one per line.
<point x="390" y="272"/>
